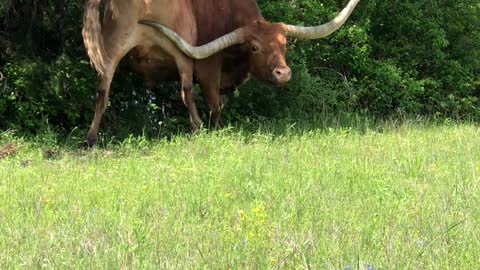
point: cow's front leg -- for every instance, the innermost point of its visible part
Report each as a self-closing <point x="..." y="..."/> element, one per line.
<point x="215" y="105"/>
<point x="209" y="73"/>
<point x="188" y="97"/>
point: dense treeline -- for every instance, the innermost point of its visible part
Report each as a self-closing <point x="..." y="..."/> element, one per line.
<point x="391" y="58"/>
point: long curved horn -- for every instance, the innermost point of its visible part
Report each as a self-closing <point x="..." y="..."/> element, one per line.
<point x="323" y="30"/>
<point x="204" y="51"/>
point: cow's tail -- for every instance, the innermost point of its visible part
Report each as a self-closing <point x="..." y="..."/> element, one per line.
<point x="92" y="36"/>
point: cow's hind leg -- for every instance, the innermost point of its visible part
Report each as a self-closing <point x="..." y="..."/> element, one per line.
<point x="101" y="103"/>
<point x="116" y="53"/>
<point x="185" y="67"/>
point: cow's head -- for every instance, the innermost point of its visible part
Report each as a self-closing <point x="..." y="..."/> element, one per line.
<point x="266" y="43"/>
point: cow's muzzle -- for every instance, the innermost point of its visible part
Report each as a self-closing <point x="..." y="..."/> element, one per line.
<point x="282" y="75"/>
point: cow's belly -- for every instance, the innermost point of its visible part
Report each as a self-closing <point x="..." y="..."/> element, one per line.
<point x="153" y="64"/>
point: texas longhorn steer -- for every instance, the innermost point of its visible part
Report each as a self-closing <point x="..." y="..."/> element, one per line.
<point x="220" y="42"/>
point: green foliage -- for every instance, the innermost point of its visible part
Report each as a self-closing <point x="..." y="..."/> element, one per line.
<point x="39" y="94"/>
<point x="430" y="42"/>
<point x="391" y="58"/>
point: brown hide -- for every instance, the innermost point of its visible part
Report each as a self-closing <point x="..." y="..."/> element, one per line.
<point x="219" y="17"/>
<point x="152" y="55"/>
<point x="235" y="63"/>
<point x="228" y="16"/>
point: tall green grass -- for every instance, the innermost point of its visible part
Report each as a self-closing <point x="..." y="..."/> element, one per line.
<point x="368" y="196"/>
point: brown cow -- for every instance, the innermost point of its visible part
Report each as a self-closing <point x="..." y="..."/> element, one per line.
<point x="233" y="40"/>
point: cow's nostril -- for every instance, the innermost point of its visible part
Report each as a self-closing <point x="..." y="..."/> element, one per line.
<point x="282" y="74"/>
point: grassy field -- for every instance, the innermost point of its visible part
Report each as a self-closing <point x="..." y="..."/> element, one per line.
<point x="386" y="196"/>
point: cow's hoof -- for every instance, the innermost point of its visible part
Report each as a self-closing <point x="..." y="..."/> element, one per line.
<point x="90" y="142"/>
<point x="219" y="125"/>
<point x="196" y="127"/>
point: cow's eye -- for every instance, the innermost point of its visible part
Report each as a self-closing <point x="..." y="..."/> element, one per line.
<point x="254" y="48"/>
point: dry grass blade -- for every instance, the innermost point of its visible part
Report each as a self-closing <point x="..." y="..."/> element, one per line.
<point x="8" y="150"/>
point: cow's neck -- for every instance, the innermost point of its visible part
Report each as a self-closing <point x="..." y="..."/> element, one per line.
<point x="219" y="17"/>
<point x="244" y="12"/>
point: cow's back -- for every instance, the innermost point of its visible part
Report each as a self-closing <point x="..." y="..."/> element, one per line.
<point x="152" y="55"/>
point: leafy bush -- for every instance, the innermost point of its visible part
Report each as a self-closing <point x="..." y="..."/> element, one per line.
<point x="408" y="58"/>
